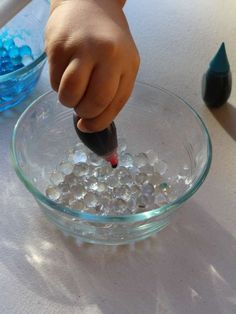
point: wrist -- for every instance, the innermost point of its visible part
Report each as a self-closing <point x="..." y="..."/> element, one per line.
<point x="56" y="3"/>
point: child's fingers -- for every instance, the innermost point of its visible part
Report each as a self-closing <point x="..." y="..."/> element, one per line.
<point x="108" y="115"/>
<point x="56" y="71"/>
<point x="58" y="61"/>
<point x="74" y="82"/>
<point x="100" y="92"/>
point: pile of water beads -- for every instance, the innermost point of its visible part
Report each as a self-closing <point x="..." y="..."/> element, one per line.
<point x="12" y="56"/>
<point x="87" y="183"/>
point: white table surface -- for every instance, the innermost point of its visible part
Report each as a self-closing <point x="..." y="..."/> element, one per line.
<point x="190" y="267"/>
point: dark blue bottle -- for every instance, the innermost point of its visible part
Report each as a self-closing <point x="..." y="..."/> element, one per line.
<point x="217" y="82"/>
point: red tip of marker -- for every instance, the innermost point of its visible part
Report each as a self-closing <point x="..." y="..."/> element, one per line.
<point x="112" y="159"/>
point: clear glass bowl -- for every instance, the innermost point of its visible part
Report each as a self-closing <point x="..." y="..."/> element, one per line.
<point x="152" y="119"/>
<point x="26" y="28"/>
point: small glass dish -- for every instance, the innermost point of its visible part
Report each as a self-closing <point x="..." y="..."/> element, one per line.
<point x="153" y="119"/>
<point x="26" y="28"/>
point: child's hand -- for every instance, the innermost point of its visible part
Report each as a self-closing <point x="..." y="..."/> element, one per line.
<point x="92" y="58"/>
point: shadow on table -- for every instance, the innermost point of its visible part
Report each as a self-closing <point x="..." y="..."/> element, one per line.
<point x="226" y="116"/>
<point x="187" y="268"/>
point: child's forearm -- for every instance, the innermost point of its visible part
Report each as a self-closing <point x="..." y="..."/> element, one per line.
<point x="55" y="3"/>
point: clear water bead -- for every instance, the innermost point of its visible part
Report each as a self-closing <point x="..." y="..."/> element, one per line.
<point x="141" y="178"/>
<point x="70" y="156"/>
<point x="64" y="187"/>
<point x="141" y="160"/>
<point x="103" y="172"/>
<point x="78" y="191"/>
<point x="71" y="180"/>
<point x="161" y="200"/>
<point x="151" y="200"/>
<point x="154" y="179"/>
<point x="119" y="206"/>
<point x="65" y="198"/>
<point x="133" y="171"/>
<point x="77" y="204"/>
<point x="152" y="157"/>
<point x="169" y="191"/>
<point x="126" y="160"/>
<point x="148" y="169"/>
<point x="65" y="167"/>
<point x="148" y="189"/>
<point x="127" y="179"/>
<point x="94" y="159"/>
<point x="132" y="205"/>
<point x="53" y="193"/>
<point x="122" y="145"/>
<point x="91" y="199"/>
<point x="180" y="186"/>
<point x="105" y="200"/>
<point x="79" y="156"/>
<point x="107" y="194"/>
<point x="172" y="195"/>
<point x="81" y="169"/>
<point x="123" y="175"/>
<point x="56" y="177"/>
<point x="79" y="146"/>
<point x="112" y="181"/>
<point x="123" y="192"/>
<point x="142" y="201"/>
<point x="160" y="167"/>
<point x="90" y="183"/>
<point x="26" y="60"/>
<point x="92" y="171"/>
<point x="101" y="187"/>
<point x="135" y="190"/>
<point x="98" y="187"/>
<point x="121" y="172"/>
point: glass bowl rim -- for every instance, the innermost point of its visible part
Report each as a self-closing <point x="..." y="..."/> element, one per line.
<point x="109" y="218"/>
<point x="24" y="70"/>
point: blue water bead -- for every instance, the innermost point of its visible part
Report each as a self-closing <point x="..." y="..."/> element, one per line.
<point x="18" y="66"/>
<point x="5" y="59"/>
<point x="14" y="52"/>
<point x="25" y="51"/>
<point x="3" y="52"/>
<point x="8" y="43"/>
<point x="9" y="67"/>
<point x="16" y="61"/>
